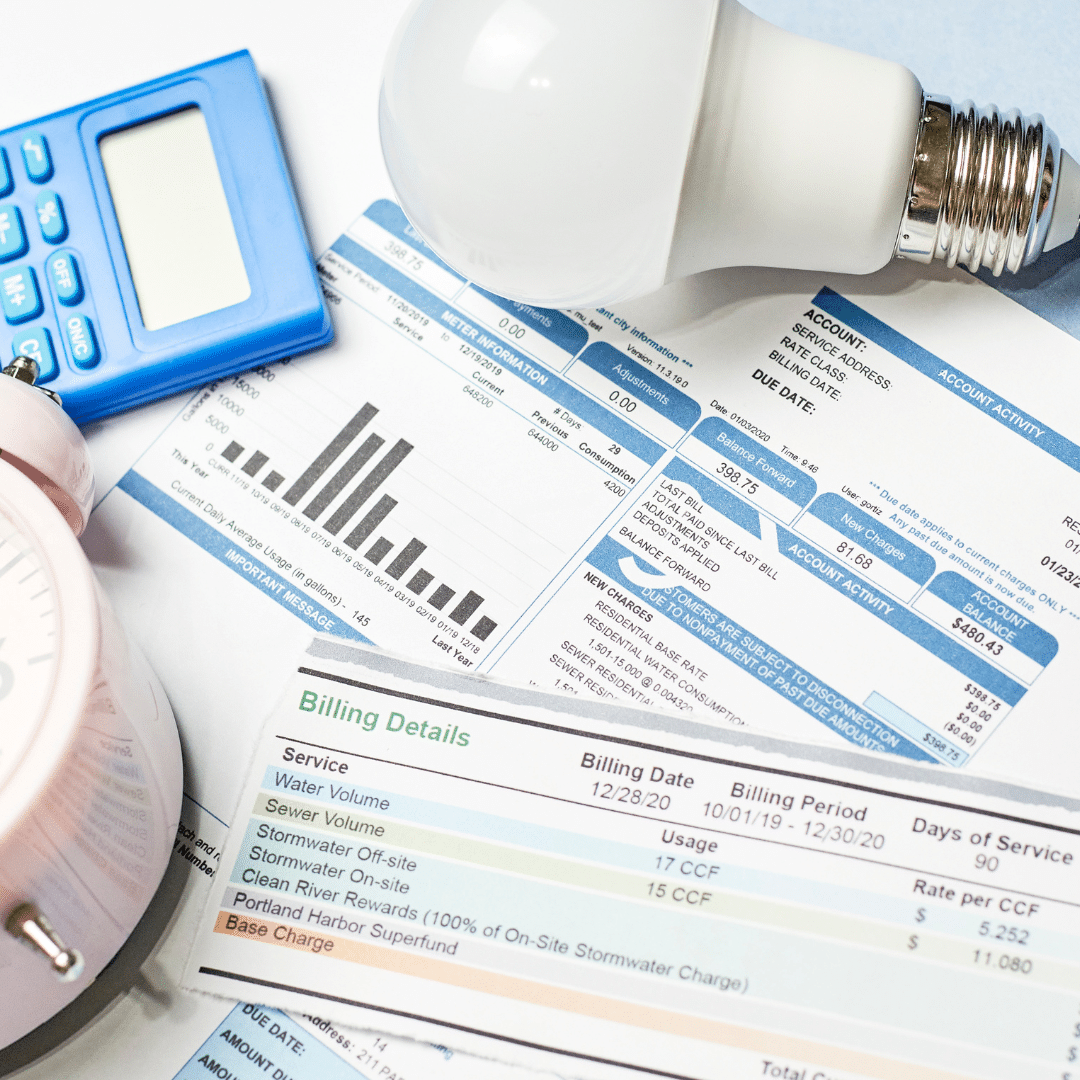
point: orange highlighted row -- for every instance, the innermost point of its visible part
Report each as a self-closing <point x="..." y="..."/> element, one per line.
<point x="426" y="967"/>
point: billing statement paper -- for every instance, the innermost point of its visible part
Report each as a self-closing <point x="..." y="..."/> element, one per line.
<point x="843" y="517"/>
<point x="437" y="854"/>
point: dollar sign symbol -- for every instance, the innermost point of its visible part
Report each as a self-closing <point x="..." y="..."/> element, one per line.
<point x="1072" y="1053"/>
<point x="913" y="941"/>
<point x="920" y="915"/>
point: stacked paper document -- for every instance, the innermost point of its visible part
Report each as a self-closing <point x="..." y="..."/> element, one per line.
<point x="692" y="691"/>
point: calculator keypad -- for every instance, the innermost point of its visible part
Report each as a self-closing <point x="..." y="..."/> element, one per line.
<point x="7" y="181"/>
<point x="79" y="331"/>
<point x="50" y="215"/>
<point x="46" y="282"/>
<point x="19" y="294"/>
<point x="12" y="234"/>
<point x="36" y="342"/>
<point x="63" y="271"/>
<point x="36" y="158"/>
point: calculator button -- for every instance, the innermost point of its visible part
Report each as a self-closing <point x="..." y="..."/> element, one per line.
<point x="12" y="234"/>
<point x="19" y="295"/>
<point x="7" y="181"/>
<point x="63" y="272"/>
<point x="80" y="338"/>
<point x="50" y="215"/>
<point x="36" y="342"/>
<point x="35" y="153"/>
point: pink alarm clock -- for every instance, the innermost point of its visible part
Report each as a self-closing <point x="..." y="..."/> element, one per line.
<point x="90" y="766"/>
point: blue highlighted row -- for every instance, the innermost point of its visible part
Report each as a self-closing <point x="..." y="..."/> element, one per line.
<point x="758" y="659"/>
<point x="865" y="530"/>
<point x="977" y="604"/>
<point x="963" y="386"/>
<point x="356" y="799"/>
<point x="641" y="383"/>
<point x="553" y="387"/>
<point x="756" y="460"/>
<point x="915" y="729"/>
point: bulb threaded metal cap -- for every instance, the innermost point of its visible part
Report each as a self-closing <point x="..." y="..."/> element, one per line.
<point x="982" y="189"/>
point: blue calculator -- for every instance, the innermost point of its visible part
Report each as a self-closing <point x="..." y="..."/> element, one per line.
<point x="150" y="241"/>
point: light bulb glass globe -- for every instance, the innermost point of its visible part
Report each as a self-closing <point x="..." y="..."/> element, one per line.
<point x="539" y="145"/>
<point x="580" y="152"/>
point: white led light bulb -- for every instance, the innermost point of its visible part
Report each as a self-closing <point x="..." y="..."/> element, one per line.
<point x="580" y="152"/>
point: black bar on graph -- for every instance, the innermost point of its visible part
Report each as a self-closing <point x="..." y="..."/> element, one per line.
<point x="440" y="597"/>
<point x="273" y="480"/>
<point x="347" y="471"/>
<point x="323" y="462"/>
<point x="483" y="627"/>
<point x="232" y="451"/>
<point x="420" y="581"/>
<point x="378" y="550"/>
<point x="371" y="522"/>
<point x="366" y="488"/>
<point x="467" y="606"/>
<point x="406" y="557"/>
<point x="255" y="463"/>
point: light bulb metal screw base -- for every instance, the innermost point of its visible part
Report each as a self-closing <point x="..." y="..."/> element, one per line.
<point x="982" y="187"/>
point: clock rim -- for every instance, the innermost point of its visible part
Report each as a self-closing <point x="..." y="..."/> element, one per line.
<point x="42" y="441"/>
<point x="79" y="642"/>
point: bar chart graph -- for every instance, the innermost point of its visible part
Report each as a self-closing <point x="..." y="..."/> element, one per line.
<point x="329" y="476"/>
<point x="421" y="481"/>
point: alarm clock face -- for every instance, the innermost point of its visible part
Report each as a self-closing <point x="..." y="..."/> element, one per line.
<point x="28" y="638"/>
<point x="90" y="767"/>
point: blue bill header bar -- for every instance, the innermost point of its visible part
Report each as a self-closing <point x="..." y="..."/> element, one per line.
<point x="870" y="598"/>
<point x="865" y="530"/>
<point x="639" y="382"/>
<point x="963" y="386"/>
<point x="757" y="658"/>
<point x="977" y="603"/>
<point x="388" y="215"/>
<point x="755" y="459"/>
<point x="530" y="371"/>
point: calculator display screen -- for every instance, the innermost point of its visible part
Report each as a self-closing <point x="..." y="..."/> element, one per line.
<point x="174" y="218"/>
